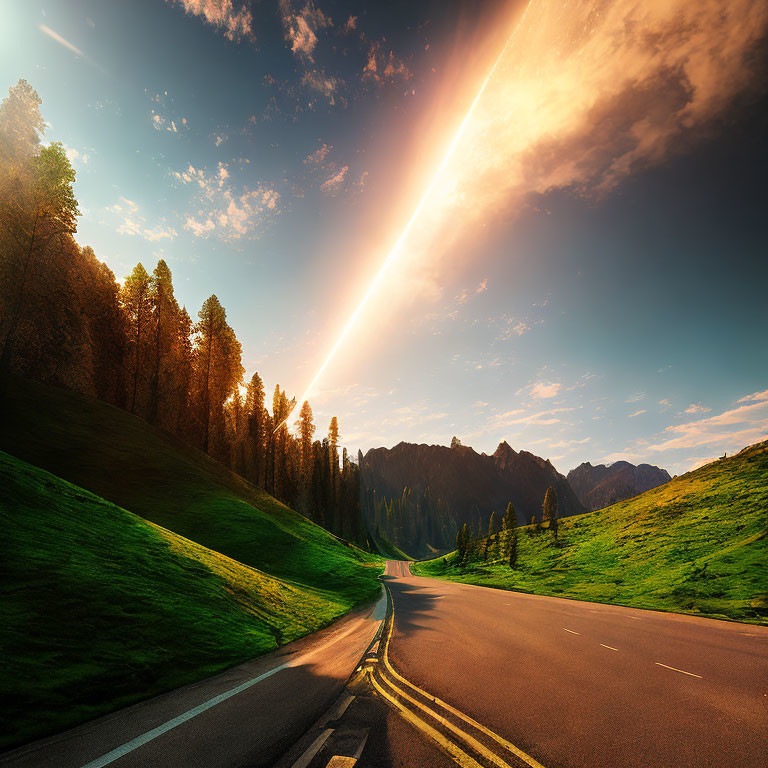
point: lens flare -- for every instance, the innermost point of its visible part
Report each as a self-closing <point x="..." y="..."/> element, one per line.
<point x="397" y="248"/>
<point x="583" y="94"/>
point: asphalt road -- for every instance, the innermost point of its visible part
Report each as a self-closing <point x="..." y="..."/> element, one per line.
<point x="583" y="684"/>
<point x="244" y="717"/>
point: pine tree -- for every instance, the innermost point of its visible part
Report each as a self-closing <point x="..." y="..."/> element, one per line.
<point x="37" y="207"/>
<point x="217" y="371"/>
<point x="491" y="531"/>
<point x="165" y="322"/>
<point x="135" y="299"/>
<point x="21" y="126"/>
<point x="510" y="517"/>
<point x="549" y="510"/>
<point x="255" y="419"/>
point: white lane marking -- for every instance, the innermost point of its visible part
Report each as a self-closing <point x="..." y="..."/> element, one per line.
<point x="313" y="749"/>
<point x="610" y="647"/>
<point x="572" y="632"/>
<point x="139" y="741"/>
<point x="675" y="669"/>
<point x="145" y="738"/>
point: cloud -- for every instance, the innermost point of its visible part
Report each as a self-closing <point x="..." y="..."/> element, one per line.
<point x="134" y="224"/>
<point x="700" y="462"/>
<point x="317" y="80"/>
<point x="318" y="156"/>
<point x="350" y="25"/>
<point x="637" y="413"/>
<point x="623" y="85"/>
<point x="160" y="119"/>
<point x="636" y="397"/>
<point x="162" y="123"/>
<point x="236" y="23"/>
<point x="300" y="28"/>
<point x="60" y="40"/>
<point x="666" y="403"/>
<point x="751" y="421"/>
<point x="759" y="396"/>
<point x="74" y="155"/>
<point x="224" y="211"/>
<point x="543" y="390"/>
<point x="697" y="408"/>
<point x="540" y="418"/>
<point x="466" y="293"/>
<point x="335" y="180"/>
<point x="384" y="67"/>
<point x="550" y="443"/>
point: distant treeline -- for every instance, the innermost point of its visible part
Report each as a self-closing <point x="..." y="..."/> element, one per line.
<point x="65" y="320"/>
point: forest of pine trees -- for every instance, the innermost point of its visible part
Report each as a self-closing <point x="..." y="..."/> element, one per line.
<point x="65" y="321"/>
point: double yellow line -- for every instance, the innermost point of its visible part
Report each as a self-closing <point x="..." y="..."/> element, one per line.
<point x="390" y="684"/>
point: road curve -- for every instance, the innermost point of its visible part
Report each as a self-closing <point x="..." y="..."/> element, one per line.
<point x="246" y="716"/>
<point x="575" y="684"/>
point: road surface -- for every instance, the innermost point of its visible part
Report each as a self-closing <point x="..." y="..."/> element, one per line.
<point x="246" y="716"/>
<point x="572" y="684"/>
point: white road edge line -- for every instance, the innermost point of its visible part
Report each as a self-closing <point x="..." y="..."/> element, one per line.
<point x="609" y="646"/>
<point x="145" y="738"/>
<point x="572" y="632"/>
<point x="675" y="669"/>
<point x="313" y="749"/>
<point x="139" y="741"/>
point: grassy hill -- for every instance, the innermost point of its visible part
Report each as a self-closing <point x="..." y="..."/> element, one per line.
<point x="102" y="608"/>
<point x="695" y="545"/>
<point x="387" y="549"/>
<point x="149" y="472"/>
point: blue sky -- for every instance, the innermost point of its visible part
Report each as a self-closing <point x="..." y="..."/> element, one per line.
<point x="271" y="153"/>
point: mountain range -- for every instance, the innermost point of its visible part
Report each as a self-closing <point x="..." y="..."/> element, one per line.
<point x="600" y="485"/>
<point x="418" y="496"/>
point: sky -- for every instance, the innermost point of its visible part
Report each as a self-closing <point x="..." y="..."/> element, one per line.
<point x="581" y="188"/>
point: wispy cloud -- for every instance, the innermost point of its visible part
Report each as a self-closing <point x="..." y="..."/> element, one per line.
<point x="468" y="292"/>
<point x="318" y="156"/>
<point x="637" y="413"/>
<point x="234" y="22"/>
<point x="635" y="397"/>
<point x="384" y="66"/>
<point x="301" y="27"/>
<point x="135" y="225"/>
<point x="224" y="211"/>
<point x="542" y="390"/>
<point x="332" y="184"/>
<point x="161" y="112"/>
<point x="755" y="396"/>
<point x="697" y="408"/>
<point x="751" y="421"/>
<point x="519" y="416"/>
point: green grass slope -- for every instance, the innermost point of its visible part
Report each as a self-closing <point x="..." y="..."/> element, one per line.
<point x="101" y="608"/>
<point x="387" y="549"/>
<point x="696" y="545"/>
<point x="152" y="474"/>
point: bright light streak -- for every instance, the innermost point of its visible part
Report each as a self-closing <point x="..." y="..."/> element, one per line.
<point x="398" y="246"/>
<point x="60" y="40"/>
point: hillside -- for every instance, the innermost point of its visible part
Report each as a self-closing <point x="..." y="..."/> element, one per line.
<point x="154" y="475"/>
<point x="695" y="545"/>
<point x="419" y="495"/>
<point x="600" y="485"/>
<point x="101" y="608"/>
